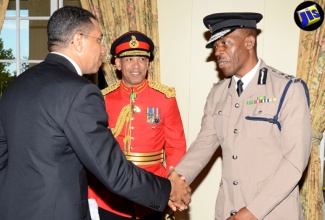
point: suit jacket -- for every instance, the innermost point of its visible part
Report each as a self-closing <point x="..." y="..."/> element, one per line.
<point x="262" y="164"/>
<point x="142" y="134"/>
<point x="53" y="126"/>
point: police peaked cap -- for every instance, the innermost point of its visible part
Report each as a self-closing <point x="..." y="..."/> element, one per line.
<point x="221" y="24"/>
<point x="133" y="43"/>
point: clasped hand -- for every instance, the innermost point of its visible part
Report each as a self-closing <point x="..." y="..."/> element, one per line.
<point x="180" y="196"/>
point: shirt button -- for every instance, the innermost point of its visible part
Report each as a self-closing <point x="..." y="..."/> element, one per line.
<point x="237" y="105"/>
<point x="234" y="157"/>
<point x="260" y="111"/>
<point x="233" y="212"/>
<point x="132" y="127"/>
<point x="219" y="112"/>
<point x="235" y="183"/>
<point x="132" y="118"/>
<point x="132" y="138"/>
<point x="236" y="131"/>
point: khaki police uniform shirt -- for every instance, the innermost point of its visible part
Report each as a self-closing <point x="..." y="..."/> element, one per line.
<point x="262" y="164"/>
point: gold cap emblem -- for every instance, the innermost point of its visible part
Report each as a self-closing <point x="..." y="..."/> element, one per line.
<point x="133" y="42"/>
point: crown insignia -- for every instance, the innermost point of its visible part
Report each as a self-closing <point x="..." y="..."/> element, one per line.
<point x="133" y="42"/>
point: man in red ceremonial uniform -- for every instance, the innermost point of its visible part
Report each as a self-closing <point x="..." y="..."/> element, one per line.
<point x="145" y="120"/>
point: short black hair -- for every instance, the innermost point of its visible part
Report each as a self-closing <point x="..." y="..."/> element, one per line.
<point x="65" y="22"/>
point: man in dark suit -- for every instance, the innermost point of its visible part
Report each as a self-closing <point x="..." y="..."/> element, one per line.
<point x="53" y="127"/>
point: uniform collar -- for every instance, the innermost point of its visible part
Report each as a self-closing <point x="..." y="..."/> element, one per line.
<point x="248" y="76"/>
<point x="136" y="89"/>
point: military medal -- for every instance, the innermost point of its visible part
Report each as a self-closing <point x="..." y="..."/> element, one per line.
<point x="261" y="99"/>
<point x="150" y="115"/>
<point x="157" y="115"/>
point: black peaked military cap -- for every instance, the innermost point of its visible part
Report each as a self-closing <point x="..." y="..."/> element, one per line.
<point x="133" y="43"/>
<point x="221" y="24"/>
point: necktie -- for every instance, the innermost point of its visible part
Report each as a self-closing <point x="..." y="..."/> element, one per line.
<point x="239" y="87"/>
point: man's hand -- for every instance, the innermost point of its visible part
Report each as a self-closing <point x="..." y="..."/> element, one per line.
<point x="180" y="195"/>
<point x="243" y="214"/>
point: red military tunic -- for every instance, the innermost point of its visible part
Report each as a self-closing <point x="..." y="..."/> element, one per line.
<point x="145" y="120"/>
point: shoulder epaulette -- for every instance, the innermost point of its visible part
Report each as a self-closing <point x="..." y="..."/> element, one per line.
<point x="220" y="81"/>
<point x="282" y="75"/>
<point x="168" y="91"/>
<point x="110" y="88"/>
<point x="275" y="120"/>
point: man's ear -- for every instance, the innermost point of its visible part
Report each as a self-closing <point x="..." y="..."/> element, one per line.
<point x="77" y="42"/>
<point x="118" y="64"/>
<point x="250" y="42"/>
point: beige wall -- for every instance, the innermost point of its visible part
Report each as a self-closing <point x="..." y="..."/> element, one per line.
<point x="185" y="65"/>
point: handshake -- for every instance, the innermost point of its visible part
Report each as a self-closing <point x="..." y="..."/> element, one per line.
<point x="180" y="195"/>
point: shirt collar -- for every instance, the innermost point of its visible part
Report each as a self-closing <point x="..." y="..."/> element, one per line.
<point x="71" y="61"/>
<point x="247" y="78"/>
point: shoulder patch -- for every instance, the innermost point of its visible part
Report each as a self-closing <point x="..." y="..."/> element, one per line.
<point x="110" y="88"/>
<point x="168" y="91"/>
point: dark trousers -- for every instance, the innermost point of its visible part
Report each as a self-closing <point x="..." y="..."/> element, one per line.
<point x="106" y="215"/>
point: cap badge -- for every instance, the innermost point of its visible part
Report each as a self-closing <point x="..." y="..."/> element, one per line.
<point x="133" y="42"/>
<point x="210" y="28"/>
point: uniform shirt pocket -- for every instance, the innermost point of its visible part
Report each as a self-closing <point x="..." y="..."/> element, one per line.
<point x="260" y="123"/>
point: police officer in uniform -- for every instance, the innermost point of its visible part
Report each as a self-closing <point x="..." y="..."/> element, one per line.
<point x="145" y="120"/>
<point x="260" y="118"/>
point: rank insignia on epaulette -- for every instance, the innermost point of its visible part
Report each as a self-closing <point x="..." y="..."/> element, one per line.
<point x="289" y="76"/>
<point x="261" y="99"/>
<point x="297" y="80"/>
